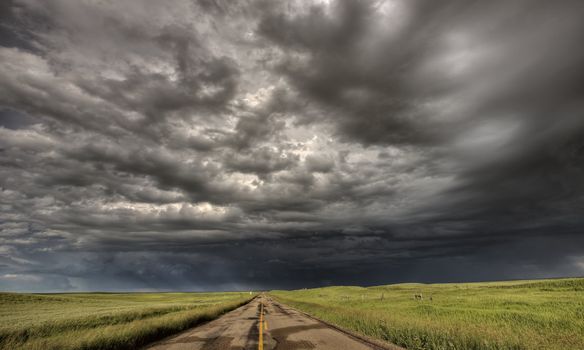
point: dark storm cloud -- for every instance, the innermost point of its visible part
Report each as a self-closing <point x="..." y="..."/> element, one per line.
<point x="261" y="161"/>
<point x="385" y="80"/>
<point x="211" y="145"/>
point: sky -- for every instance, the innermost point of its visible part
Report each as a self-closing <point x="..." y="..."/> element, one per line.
<point x="261" y="144"/>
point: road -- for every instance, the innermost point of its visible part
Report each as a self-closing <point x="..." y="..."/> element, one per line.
<point x="283" y="328"/>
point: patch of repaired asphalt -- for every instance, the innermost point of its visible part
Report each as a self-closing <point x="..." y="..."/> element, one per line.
<point x="252" y="335"/>
<point x="281" y="335"/>
<point x="213" y="343"/>
<point x="187" y="339"/>
<point x="282" y="310"/>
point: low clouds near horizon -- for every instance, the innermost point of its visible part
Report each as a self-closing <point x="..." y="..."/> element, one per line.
<point x="205" y="145"/>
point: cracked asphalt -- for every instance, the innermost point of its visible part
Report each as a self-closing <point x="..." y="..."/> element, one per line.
<point x="284" y="329"/>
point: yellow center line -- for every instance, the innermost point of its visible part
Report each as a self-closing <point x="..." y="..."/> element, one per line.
<point x="261" y="340"/>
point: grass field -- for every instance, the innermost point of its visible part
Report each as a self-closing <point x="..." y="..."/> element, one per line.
<point x="104" y="320"/>
<point x="538" y="314"/>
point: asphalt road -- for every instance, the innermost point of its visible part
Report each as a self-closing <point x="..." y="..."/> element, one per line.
<point x="283" y="328"/>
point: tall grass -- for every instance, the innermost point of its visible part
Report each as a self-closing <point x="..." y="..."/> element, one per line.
<point x="104" y="321"/>
<point x="518" y="315"/>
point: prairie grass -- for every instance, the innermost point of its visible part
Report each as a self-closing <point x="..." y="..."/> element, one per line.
<point x="104" y="320"/>
<point x="518" y="315"/>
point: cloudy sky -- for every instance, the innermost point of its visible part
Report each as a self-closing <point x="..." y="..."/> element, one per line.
<point x="206" y="145"/>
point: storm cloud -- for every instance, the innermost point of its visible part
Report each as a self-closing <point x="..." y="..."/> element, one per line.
<point x="205" y="145"/>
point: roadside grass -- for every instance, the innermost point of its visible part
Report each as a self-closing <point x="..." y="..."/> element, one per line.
<point x="104" y="321"/>
<point x="515" y="315"/>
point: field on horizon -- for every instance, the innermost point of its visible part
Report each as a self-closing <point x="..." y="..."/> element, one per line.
<point x="104" y="320"/>
<point x="518" y="315"/>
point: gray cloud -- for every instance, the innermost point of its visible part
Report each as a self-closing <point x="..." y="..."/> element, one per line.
<point x="210" y="145"/>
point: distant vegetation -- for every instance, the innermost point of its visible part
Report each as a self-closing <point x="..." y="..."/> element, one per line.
<point x="103" y="320"/>
<point x="539" y="314"/>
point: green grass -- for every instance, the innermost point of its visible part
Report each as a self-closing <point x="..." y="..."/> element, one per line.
<point x="537" y="314"/>
<point x="104" y="320"/>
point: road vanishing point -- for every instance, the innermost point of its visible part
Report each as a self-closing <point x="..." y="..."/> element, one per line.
<point x="265" y="324"/>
